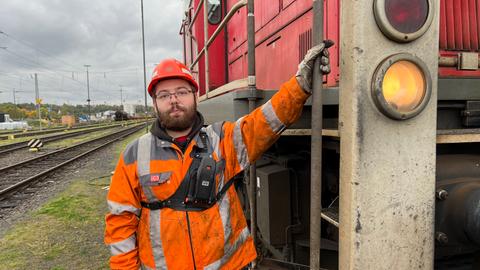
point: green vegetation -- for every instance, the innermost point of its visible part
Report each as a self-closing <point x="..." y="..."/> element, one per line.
<point x="55" y="112"/>
<point x="67" y="232"/>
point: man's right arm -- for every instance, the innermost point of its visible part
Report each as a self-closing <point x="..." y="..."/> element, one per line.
<point x="122" y="221"/>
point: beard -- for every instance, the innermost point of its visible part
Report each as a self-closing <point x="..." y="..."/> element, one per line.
<point x="178" y="123"/>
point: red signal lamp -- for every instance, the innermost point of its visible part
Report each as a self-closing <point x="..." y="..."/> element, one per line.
<point x="403" y="20"/>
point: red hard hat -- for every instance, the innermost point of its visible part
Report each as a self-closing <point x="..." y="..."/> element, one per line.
<point x="170" y="69"/>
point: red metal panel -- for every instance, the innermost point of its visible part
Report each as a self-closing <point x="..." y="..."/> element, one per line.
<point x="265" y="11"/>
<point x="460" y="25"/>
<point x="332" y="31"/>
<point x="277" y="59"/>
<point x="236" y="69"/>
<point x="278" y="44"/>
<point x="216" y="55"/>
<point x="286" y="3"/>
<point x="473" y="24"/>
<point x="478" y="22"/>
<point x="450" y="24"/>
<point x="457" y="13"/>
<point x="237" y="27"/>
<point x="465" y="19"/>
<point x="443" y="25"/>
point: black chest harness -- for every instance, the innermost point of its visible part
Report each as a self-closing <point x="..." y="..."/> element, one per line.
<point x="197" y="190"/>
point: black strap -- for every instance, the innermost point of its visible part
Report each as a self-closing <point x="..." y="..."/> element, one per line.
<point x="178" y="200"/>
<point x="175" y="204"/>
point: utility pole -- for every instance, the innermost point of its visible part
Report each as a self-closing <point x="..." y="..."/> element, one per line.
<point x="38" y="102"/>
<point x="144" y="68"/>
<point x="14" y="101"/>
<point x="121" y="99"/>
<point x="88" y="92"/>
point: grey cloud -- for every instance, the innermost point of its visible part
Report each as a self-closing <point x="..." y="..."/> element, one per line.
<point x="105" y="34"/>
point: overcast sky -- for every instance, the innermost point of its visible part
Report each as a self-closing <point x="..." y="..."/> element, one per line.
<point x="56" y="38"/>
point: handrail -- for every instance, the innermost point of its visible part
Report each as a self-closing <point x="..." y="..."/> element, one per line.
<point x="220" y="27"/>
<point x="195" y="15"/>
<point x="205" y="38"/>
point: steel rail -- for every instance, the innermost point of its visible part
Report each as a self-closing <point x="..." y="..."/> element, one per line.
<point x="24" y="182"/>
<point x="6" y="148"/>
<point x="16" y="134"/>
<point x="57" y="151"/>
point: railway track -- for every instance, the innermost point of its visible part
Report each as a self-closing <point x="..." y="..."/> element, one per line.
<point x="4" y="135"/>
<point x="7" y="148"/>
<point x="17" y="177"/>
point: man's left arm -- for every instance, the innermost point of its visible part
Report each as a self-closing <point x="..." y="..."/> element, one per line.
<point x="248" y="137"/>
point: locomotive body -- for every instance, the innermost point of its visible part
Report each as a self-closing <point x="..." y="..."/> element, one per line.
<point x="400" y="185"/>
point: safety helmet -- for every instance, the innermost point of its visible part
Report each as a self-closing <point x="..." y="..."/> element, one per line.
<point x="170" y="69"/>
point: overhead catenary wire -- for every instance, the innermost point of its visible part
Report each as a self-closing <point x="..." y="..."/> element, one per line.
<point x="36" y="49"/>
<point x="64" y="73"/>
<point x="53" y="71"/>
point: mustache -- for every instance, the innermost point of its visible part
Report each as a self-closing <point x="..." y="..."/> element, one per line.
<point x="177" y="107"/>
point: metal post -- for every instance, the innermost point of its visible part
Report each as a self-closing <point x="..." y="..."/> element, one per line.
<point x="37" y="101"/>
<point x="121" y="99"/>
<point x="205" y="40"/>
<point x="88" y="93"/>
<point x="251" y="104"/>
<point x="316" y="145"/>
<point x="14" y="102"/>
<point x="144" y="68"/>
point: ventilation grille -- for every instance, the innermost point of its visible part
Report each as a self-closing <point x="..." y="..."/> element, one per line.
<point x="460" y="25"/>
<point x="304" y="44"/>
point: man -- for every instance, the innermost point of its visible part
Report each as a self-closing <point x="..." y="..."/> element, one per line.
<point x="171" y="200"/>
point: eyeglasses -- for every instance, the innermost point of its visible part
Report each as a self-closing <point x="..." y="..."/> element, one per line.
<point x="180" y="93"/>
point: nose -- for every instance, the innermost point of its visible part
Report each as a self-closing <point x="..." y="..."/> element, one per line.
<point x="173" y="98"/>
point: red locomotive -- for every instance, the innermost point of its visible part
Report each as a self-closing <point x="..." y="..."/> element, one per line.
<point x="400" y="184"/>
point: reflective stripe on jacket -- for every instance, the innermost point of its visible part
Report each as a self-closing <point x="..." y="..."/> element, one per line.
<point x="151" y="169"/>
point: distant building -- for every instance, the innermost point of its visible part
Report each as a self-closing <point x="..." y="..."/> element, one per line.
<point x="7" y="123"/>
<point x="68" y="120"/>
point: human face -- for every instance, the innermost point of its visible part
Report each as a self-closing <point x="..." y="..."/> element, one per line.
<point x="175" y="104"/>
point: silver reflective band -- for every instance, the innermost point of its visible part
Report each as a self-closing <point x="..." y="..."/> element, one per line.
<point x="272" y="119"/>
<point x="124" y="246"/>
<point x="240" y="147"/>
<point x="156" y="240"/>
<point x="229" y="251"/>
<point x="143" y="162"/>
<point x="214" y="140"/>
<point x="224" y="209"/>
<point x="117" y="208"/>
<point x="143" y="157"/>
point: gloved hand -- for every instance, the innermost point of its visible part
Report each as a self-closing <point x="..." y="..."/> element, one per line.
<point x="305" y="68"/>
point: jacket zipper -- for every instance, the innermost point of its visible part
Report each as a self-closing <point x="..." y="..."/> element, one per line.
<point x="182" y="156"/>
<point x="190" y="238"/>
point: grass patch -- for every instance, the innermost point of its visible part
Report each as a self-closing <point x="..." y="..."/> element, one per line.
<point x="69" y="208"/>
<point x="66" y="232"/>
<point x="78" y="139"/>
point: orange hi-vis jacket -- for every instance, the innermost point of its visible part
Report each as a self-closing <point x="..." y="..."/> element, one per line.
<point x="151" y="169"/>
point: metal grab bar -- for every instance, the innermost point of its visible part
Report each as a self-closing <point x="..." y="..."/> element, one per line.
<point x="195" y="15"/>
<point x="220" y="27"/>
